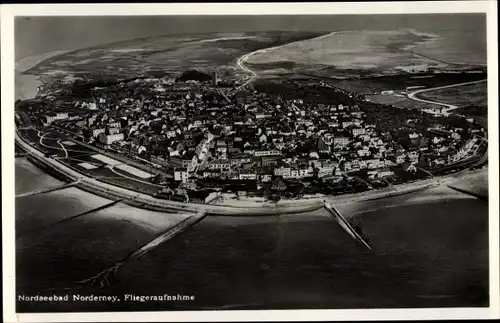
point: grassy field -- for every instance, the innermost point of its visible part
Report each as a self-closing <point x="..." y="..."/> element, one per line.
<point x="370" y="52"/>
<point x="172" y="53"/>
<point x="398" y="83"/>
<point x="401" y="102"/>
<point x="359" y="50"/>
<point x="473" y="94"/>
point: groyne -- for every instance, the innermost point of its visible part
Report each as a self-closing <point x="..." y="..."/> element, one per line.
<point x="47" y="190"/>
<point x="102" y="278"/>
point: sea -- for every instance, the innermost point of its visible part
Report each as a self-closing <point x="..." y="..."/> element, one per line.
<point x="429" y="249"/>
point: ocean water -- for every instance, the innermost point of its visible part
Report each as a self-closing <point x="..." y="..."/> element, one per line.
<point x="426" y="253"/>
<point x="31" y="178"/>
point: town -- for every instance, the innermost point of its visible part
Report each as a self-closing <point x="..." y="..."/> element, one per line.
<point x="192" y="137"/>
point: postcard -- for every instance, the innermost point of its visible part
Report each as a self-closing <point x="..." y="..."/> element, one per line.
<point x="214" y="162"/>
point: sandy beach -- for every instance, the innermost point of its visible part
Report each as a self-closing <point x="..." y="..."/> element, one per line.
<point x="154" y="222"/>
<point x="26" y="85"/>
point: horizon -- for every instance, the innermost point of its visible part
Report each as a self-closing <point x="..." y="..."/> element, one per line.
<point x="39" y="35"/>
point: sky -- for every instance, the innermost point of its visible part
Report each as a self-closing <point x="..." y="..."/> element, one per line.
<point x="38" y="35"/>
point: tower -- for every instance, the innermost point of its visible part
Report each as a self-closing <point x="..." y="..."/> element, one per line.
<point x="215" y="79"/>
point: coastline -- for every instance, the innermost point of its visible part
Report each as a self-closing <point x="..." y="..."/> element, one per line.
<point x="242" y="60"/>
<point x="148" y="202"/>
<point x="27" y="85"/>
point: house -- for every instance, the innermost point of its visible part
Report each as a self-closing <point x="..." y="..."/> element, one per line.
<point x="265" y="178"/>
<point x="282" y="171"/>
<point x="270" y="160"/>
<point x="211" y="173"/>
<point x="409" y="167"/>
<point x="323" y="147"/>
<point x="219" y="164"/>
<point x="399" y="157"/>
<point x="379" y="173"/>
<point x="413" y="156"/>
<point x="278" y="185"/>
<point x="364" y="152"/>
<point x="345" y="166"/>
<point x="373" y="163"/>
<point x="358" y="131"/>
<point x="413" y="135"/>
<point x="240" y="159"/>
<point x="325" y="171"/>
<point x="109" y="139"/>
<point x="341" y="141"/>
<point x="97" y="132"/>
<point x="181" y="175"/>
<point x="260" y="153"/>
<point x="247" y="175"/>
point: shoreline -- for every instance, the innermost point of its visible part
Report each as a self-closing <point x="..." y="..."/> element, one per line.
<point x="27" y="86"/>
<point x="151" y="203"/>
<point x="242" y="60"/>
<point x="148" y="202"/>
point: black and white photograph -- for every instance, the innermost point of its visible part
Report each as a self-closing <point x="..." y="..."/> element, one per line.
<point x="214" y="162"/>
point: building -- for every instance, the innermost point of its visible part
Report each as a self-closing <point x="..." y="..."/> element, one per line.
<point x="326" y="171"/>
<point x="247" y="175"/>
<point x="282" y="171"/>
<point x="112" y="131"/>
<point x="211" y="173"/>
<point x="49" y="118"/>
<point x="374" y="163"/>
<point x="307" y="172"/>
<point x="260" y="153"/>
<point x="323" y="147"/>
<point x="181" y="175"/>
<point x="379" y="173"/>
<point x="358" y="131"/>
<point x="116" y="124"/>
<point x="265" y="178"/>
<point x="278" y="185"/>
<point x="341" y="141"/>
<point x="109" y="139"/>
<point x="270" y="160"/>
<point x="219" y="164"/>
<point x="240" y="159"/>
<point x="97" y="132"/>
<point x="364" y="152"/>
<point x="215" y="78"/>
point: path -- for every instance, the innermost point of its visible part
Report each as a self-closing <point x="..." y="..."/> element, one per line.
<point x="449" y="107"/>
<point x="64" y="148"/>
<point x="111" y="168"/>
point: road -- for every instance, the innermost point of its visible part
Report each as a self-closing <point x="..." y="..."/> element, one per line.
<point x="449" y="107"/>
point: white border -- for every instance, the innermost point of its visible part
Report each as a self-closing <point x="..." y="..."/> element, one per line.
<point x="8" y="12"/>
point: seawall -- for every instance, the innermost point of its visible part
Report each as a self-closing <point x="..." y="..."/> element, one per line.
<point x="149" y="202"/>
<point x="145" y="201"/>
